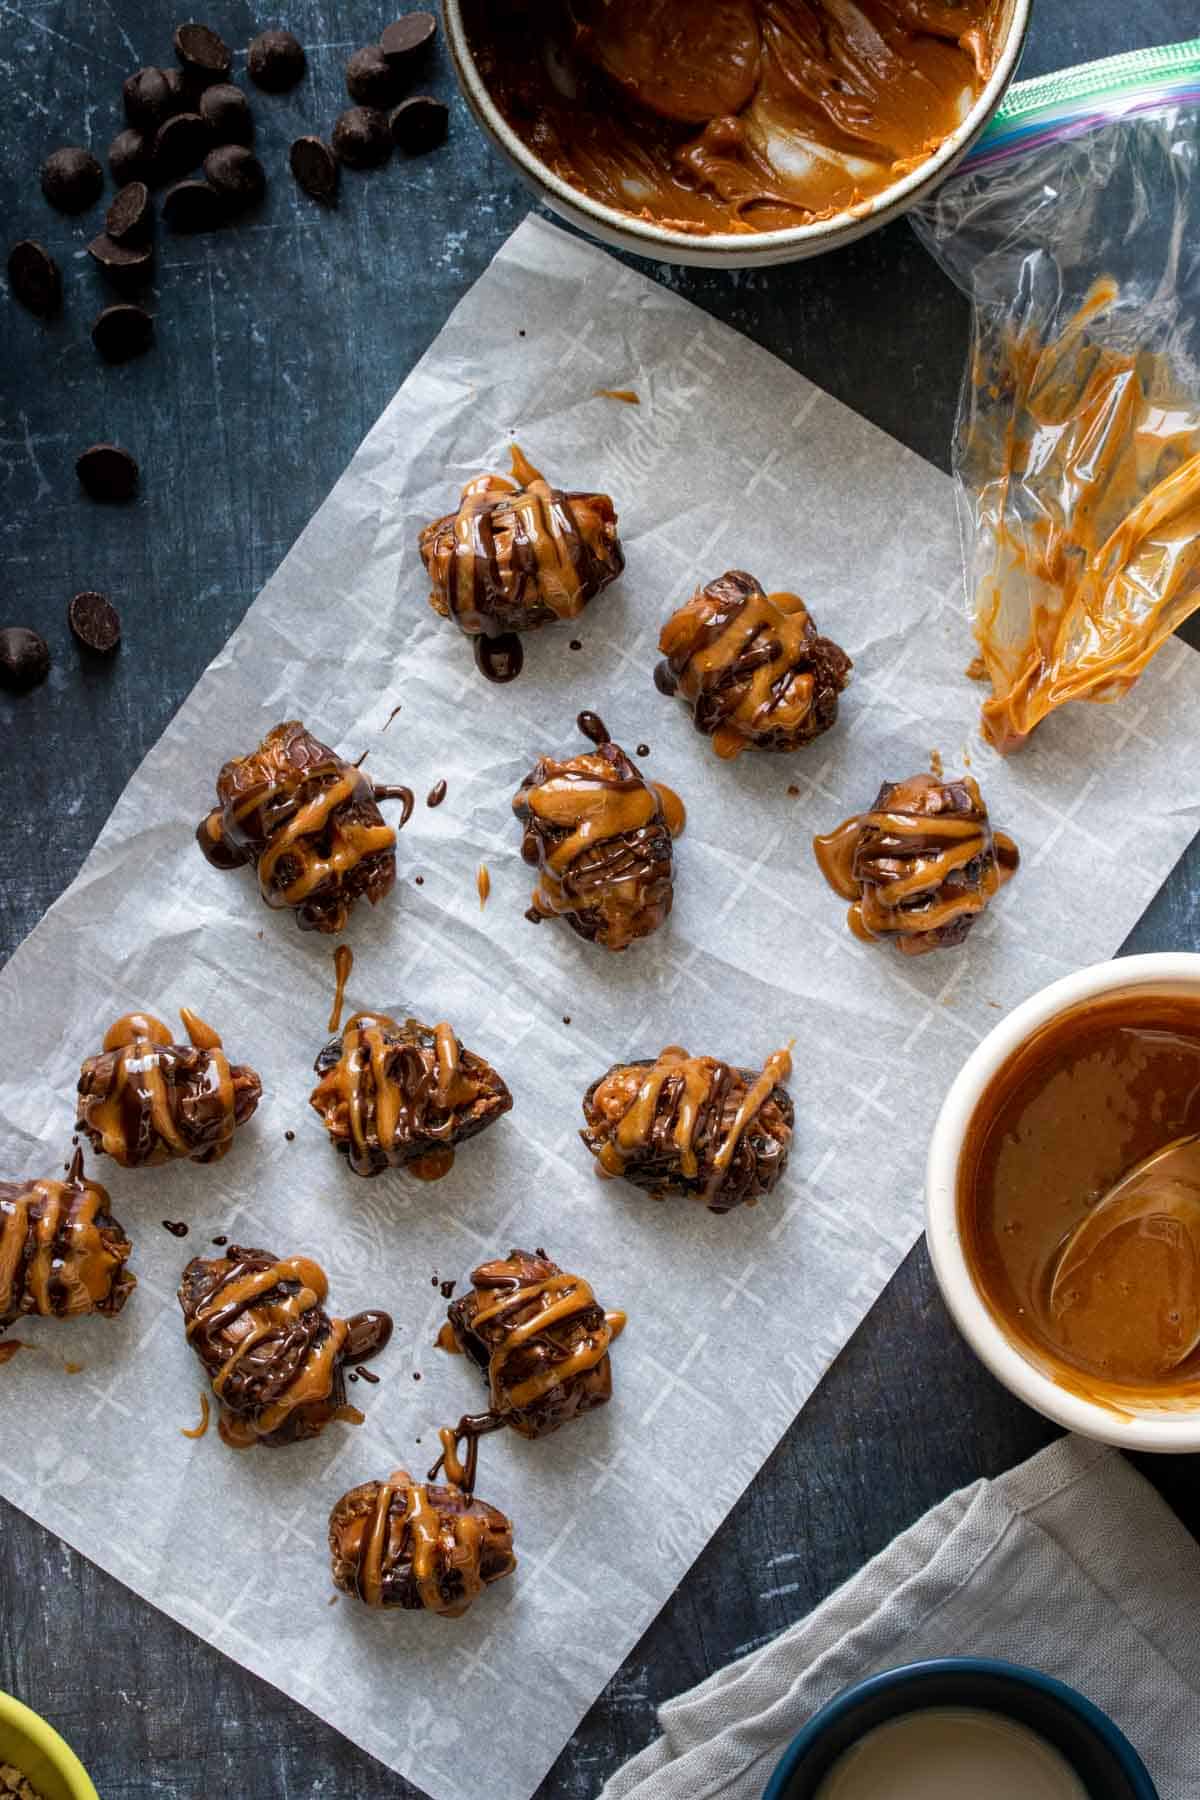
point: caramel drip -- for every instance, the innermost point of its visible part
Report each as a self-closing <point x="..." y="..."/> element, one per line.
<point x="139" y="1102"/>
<point x="446" y="1340"/>
<point x="697" y="1085"/>
<point x="198" y="1431"/>
<point x="556" y="1300"/>
<point x="628" y="395"/>
<point x="392" y="1089"/>
<point x="9" y="1348"/>
<point x="483" y="884"/>
<point x="54" y="1258"/>
<point x="343" y="963"/>
<point x="673" y="810"/>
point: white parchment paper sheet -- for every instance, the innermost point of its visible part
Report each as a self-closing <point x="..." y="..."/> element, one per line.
<point x="730" y="460"/>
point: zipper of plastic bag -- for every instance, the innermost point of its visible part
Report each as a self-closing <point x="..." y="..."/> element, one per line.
<point x="1052" y="107"/>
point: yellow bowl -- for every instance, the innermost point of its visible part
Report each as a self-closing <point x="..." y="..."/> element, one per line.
<point x="47" y="1762"/>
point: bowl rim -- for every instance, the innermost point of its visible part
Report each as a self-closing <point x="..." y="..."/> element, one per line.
<point x="52" y="1745"/>
<point x="649" y="236"/>
<point x="1019" y="1675"/>
<point x="1165" y="1432"/>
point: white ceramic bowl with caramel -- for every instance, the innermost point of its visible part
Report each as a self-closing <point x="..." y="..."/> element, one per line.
<point x="733" y="133"/>
<point x="1082" y="1296"/>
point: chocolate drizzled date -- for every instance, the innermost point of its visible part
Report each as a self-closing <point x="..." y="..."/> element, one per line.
<point x="752" y="666"/>
<point x="147" y="1100"/>
<point x="274" y="1356"/>
<point x="519" y="553"/>
<point x="920" y="866"/>
<point x="309" y="823"/>
<point x="62" y="1254"/>
<point x="405" y="1543"/>
<point x="541" y="1339"/>
<point x="600" y="836"/>
<point x="404" y="1095"/>
<point x="693" y="1125"/>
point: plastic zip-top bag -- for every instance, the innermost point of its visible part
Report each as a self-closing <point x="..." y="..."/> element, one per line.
<point x="1074" y="229"/>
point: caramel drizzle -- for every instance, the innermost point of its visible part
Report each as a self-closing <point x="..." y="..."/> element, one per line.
<point x="437" y="1544"/>
<point x="198" y="1431"/>
<point x="343" y="963"/>
<point x="384" y="1081"/>
<point x="697" y="1085"/>
<point x="71" y="1270"/>
<point x="139" y="1093"/>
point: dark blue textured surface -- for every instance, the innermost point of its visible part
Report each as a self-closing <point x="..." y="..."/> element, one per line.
<point x="279" y="342"/>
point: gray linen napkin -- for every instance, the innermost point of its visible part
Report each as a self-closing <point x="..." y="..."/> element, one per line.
<point x="1070" y="1563"/>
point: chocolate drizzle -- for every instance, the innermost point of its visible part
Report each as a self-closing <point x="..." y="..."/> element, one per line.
<point x="310" y="825"/>
<point x="145" y="1100"/>
<point x="752" y="666"/>
<point x="403" y="1095"/>
<point x="693" y="1125"/>
<point x="62" y="1254"/>
<point x="920" y="866"/>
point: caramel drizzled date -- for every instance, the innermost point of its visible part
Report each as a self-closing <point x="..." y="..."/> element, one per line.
<point x="600" y="836"/>
<point x="403" y="1095"/>
<point x="541" y="1339"/>
<point x="405" y="1543"/>
<point x="920" y="866"/>
<point x="518" y="554"/>
<point x="147" y="1100"/>
<point x="274" y="1356"/>
<point x="693" y="1125"/>
<point x="752" y="666"/>
<point x="62" y="1254"/>
<point x="310" y="825"/>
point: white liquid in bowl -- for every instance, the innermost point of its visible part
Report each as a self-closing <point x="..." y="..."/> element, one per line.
<point x="952" y="1753"/>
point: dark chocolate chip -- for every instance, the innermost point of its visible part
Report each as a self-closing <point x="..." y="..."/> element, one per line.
<point x="315" y="167"/>
<point x="203" y="54"/>
<point x="275" y="61"/>
<point x="24" y="659"/>
<point x="361" y="138"/>
<point x="129" y="157"/>
<point x="95" y="621"/>
<point x="35" y="278"/>
<point x="181" y="145"/>
<point x="236" y="173"/>
<point x="107" y="472"/>
<point x="148" y="98"/>
<point x="405" y="41"/>
<point x="129" y="218"/>
<point x="420" y="124"/>
<point x="371" y="79"/>
<point x="127" y="265"/>
<point x="123" y="331"/>
<point x="227" y="111"/>
<point x="72" y="179"/>
<point x="183" y="90"/>
<point x="194" y="206"/>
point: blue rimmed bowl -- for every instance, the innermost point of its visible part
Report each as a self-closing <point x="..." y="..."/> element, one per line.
<point x="1101" y="1756"/>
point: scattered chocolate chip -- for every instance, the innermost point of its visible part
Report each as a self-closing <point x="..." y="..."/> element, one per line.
<point x="220" y="1240"/>
<point x="35" y="278"/>
<point x="205" y="56"/>
<point x="128" y="265"/>
<point x="575" y="643"/>
<point x="420" y="880"/>
<point x="371" y="79"/>
<point x="447" y="1288"/>
<point x="290" y="1136"/>
<point x="182" y="90"/>
<point x="226" y="111"/>
<point x="566" y="1018"/>
<point x="123" y="331"/>
<point x="24" y="659"/>
<point x="148" y="98"/>
<point x="129" y="217"/>
<point x="180" y="145"/>
<point x="315" y="167"/>
<point x="194" y="206"/>
<point x="95" y="621"/>
<point x="643" y="749"/>
<point x="361" y="138"/>
<point x="107" y="472"/>
<point x="72" y="179"/>
<point x="420" y="124"/>
<point x="176" y="1227"/>
<point x="406" y="40"/>
<point x="129" y="157"/>
<point x="236" y="173"/>
<point x="416" y="1375"/>
<point x="275" y="61"/>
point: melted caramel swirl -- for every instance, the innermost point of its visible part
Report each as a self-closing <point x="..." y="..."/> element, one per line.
<point x="309" y="823"/>
<point x="921" y="865"/>
<point x="405" y="1543"/>
<point x="693" y="1125"/>
<point x="62" y="1254"/>
<point x="403" y="1096"/>
<point x="145" y="1100"/>
<point x="752" y="666"/>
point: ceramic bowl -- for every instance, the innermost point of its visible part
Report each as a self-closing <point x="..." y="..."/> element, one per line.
<point x="1102" y="1757"/>
<point x="1145" y="1422"/>
<point x="732" y="250"/>
<point x="47" y="1762"/>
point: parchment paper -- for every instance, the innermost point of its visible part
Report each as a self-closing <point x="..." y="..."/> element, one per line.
<point x="731" y="460"/>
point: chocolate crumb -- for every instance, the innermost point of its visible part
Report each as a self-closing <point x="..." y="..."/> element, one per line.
<point x="365" y="1374"/>
<point x="436" y="794"/>
<point x="575" y="643"/>
<point x="566" y="1018"/>
<point x="220" y="1240"/>
<point x="290" y="1136"/>
<point x="176" y="1227"/>
<point x="416" y="1375"/>
<point x="643" y="749"/>
<point x="793" y="790"/>
<point x="447" y="1288"/>
<point x="333" y="1599"/>
<point x="420" y="880"/>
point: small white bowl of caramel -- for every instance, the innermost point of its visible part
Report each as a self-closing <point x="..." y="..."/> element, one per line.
<point x="1063" y="1202"/>
<point x="738" y="134"/>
